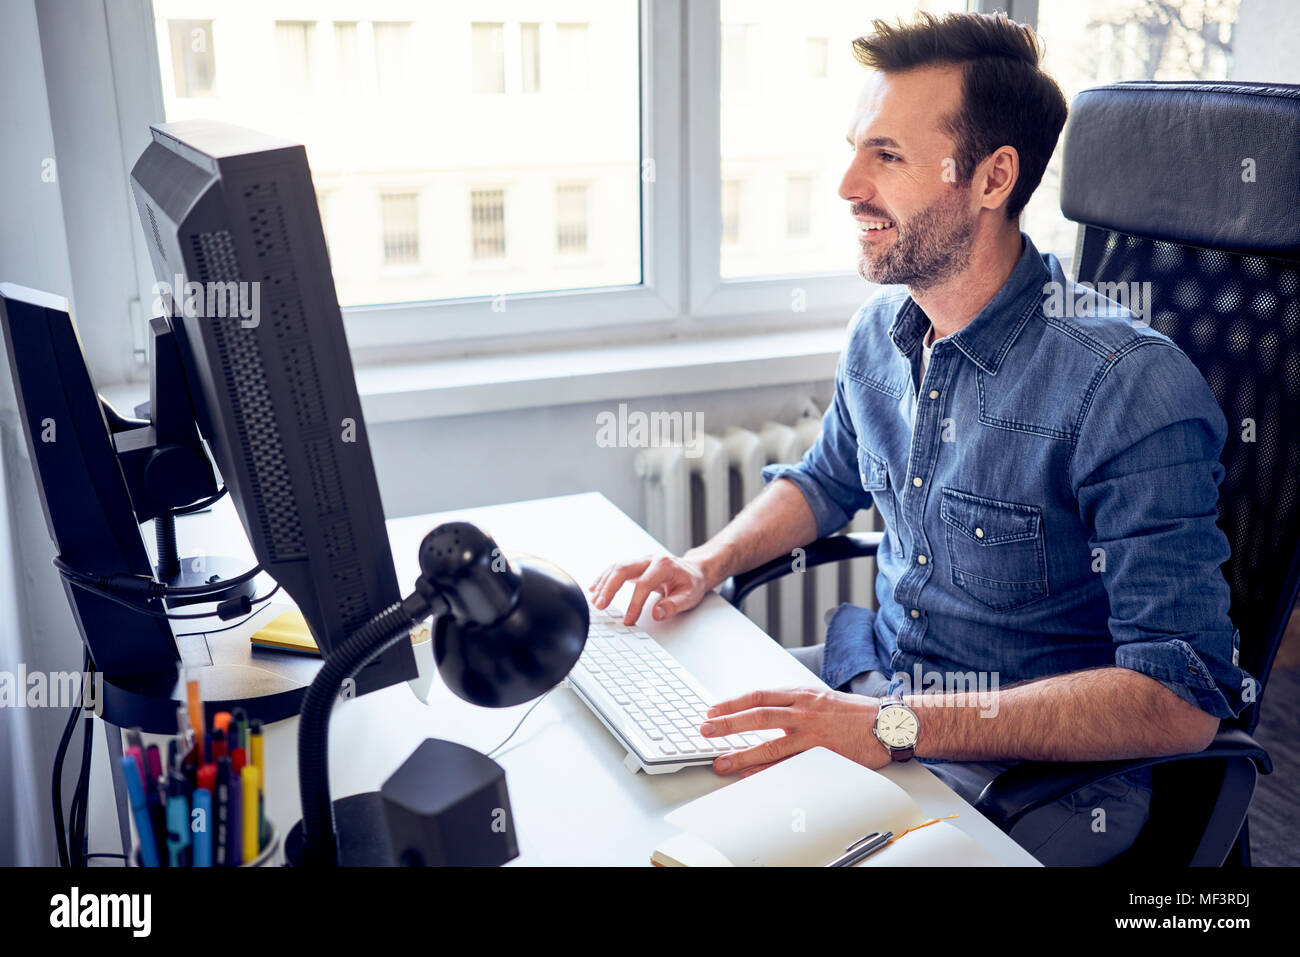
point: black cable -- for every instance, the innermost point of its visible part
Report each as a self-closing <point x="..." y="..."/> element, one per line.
<point x="143" y="585"/>
<point x="81" y="796"/>
<point x="56" y="781"/>
<point x="520" y="724"/>
<point x="158" y="614"/>
<point x="200" y="506"/>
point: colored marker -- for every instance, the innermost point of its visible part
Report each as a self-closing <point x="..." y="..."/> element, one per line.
<point x="257" y="758"/>
<point x="238" y="758"/>
<point x="219" y="749"/>
<point x="221" y="837"/>
<point x="178" y="822"/>
<point x="196" y="720"/>
<point x="203" y="835"/>
<point x="140" y="810"/>
<point x="250" y="778"/>
<point x="235" y="832"/>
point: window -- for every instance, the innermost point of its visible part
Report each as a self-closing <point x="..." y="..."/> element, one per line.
<point x="1132" y="40"/>
<point x="571" y="56"/>
<point x="401" y="228"/>
<point x="193" y="61"/>
<point x="488" y="223"/>
<point x="389" y="109"/>
<point x="293" y="42"/>
<point x="730" y="212"/>
<point x="393" y="68"/>
<point x="798" y="205"/>
<point x="816" y="57"/>
<point x="530" y="73"/>
<point x="489" y="55"/>
<point x="571" y="219"/>
<point x="347" y="55"/>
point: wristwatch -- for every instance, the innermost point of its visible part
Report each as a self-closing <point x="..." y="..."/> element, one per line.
<point x="897" y="727"/>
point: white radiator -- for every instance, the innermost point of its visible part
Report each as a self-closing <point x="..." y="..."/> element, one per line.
<point x="690" y="498"/>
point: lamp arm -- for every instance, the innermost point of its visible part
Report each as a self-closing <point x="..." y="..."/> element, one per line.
<point x="387" y="628"/>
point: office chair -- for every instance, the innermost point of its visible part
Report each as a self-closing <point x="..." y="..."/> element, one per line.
<point x="1194" y="188"/>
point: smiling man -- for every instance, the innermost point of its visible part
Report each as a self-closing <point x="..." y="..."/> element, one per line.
<point x="1048" y="482"/>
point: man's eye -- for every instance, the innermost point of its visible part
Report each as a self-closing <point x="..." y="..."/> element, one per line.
<point x="888" y="157"/>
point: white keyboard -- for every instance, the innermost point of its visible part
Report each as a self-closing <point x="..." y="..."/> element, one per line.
<point x="647" y="699"/>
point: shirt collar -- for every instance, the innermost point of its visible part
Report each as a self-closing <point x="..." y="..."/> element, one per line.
<point x="986" y="339"/>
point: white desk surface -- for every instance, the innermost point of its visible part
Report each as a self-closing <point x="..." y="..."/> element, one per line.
<point x="574" y="802"/>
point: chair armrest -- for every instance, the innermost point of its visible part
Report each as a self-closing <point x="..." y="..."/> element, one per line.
<point x="824" y="551"/>
<point x="1032" y="784"/>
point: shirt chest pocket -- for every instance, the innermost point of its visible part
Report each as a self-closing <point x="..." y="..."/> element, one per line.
<point x="873" y="470"/>
<point x="995" y="549"/>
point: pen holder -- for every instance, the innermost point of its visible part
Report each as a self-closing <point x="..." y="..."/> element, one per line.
<point x="269" y="856"/>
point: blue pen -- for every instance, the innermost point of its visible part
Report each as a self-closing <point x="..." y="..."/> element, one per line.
<point x="140" y="808"/>
<point x="203" y="836"/>
<point x="178" y="822"/>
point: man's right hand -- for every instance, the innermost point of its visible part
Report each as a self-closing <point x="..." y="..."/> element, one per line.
<point x="681" y="582"/>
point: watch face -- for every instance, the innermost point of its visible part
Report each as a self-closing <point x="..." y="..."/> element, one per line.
<point x="896" y="727"/>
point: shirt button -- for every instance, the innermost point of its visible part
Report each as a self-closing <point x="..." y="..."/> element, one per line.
<point x="979" y="533"/>
<point x="934" y="393"/>
<point x="921" y="559"/>
<point x="917" y="481"/>
<point x="915" y="613"/>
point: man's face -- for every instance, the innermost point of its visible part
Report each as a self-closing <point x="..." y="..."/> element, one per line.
<point x="903" y="174"/>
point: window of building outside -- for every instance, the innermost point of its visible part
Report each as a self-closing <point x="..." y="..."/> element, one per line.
<point x="571" y="219"/>
<point x="488" y="221"/>
<point x="193" y="58"/>
<point x="401" y="228"/>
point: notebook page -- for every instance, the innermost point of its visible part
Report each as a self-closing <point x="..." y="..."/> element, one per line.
<point x="801" y="812"/>
<point x="939" y="845"/>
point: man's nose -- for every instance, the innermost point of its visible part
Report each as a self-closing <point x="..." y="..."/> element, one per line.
<point x="856" y="185"/>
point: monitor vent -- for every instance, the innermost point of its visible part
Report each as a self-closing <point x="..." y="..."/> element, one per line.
<point x="246" y="384"/>
<point x="350" y="592"/>
<point x="325" y="478"/>
<point x="153" y="224"/>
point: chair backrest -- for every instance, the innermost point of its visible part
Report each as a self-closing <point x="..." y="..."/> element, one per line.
<point x="1194" y="189"/>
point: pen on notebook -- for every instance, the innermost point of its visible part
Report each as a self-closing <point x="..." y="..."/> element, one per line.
<point x="861" y="848"/>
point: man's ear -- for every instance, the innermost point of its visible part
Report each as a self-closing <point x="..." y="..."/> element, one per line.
<point x="996" y="177"/>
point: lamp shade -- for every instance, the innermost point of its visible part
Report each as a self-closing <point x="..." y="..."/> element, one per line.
<point x="517" y="625"/>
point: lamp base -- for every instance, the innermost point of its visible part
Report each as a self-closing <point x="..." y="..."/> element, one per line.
<point x="362" y="835"/>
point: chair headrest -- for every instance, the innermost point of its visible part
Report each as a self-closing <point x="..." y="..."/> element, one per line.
<point x="1202" y="164"/>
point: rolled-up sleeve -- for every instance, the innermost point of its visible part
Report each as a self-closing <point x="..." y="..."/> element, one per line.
<point x="1147" y="472"/>
<point x="828" y="473"/>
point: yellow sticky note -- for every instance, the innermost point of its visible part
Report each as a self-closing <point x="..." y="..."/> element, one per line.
<point x="287" y="632"/>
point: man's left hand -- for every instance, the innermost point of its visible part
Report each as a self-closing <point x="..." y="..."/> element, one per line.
<point x="810" y="718"/>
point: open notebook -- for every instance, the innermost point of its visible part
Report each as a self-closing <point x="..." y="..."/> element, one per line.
<point x="803" y="812"/>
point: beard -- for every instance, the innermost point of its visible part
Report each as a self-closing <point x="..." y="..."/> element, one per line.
<point x="931" y="247"/>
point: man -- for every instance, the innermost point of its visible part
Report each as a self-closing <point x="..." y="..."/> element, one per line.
<point x="1047" y="477"/>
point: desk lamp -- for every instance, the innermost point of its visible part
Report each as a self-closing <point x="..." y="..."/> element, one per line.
<point x="505" y="631"/>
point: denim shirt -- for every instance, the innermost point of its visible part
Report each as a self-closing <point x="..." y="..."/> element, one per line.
<point x="1048" y="493"/>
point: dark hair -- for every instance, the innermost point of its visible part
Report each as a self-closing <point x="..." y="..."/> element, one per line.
<point x="1007" y="99"/>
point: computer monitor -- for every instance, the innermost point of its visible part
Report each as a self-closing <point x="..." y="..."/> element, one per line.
<point x="237" y="247"/>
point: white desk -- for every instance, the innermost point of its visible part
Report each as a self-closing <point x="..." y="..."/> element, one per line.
<point x="573" y="800"/>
